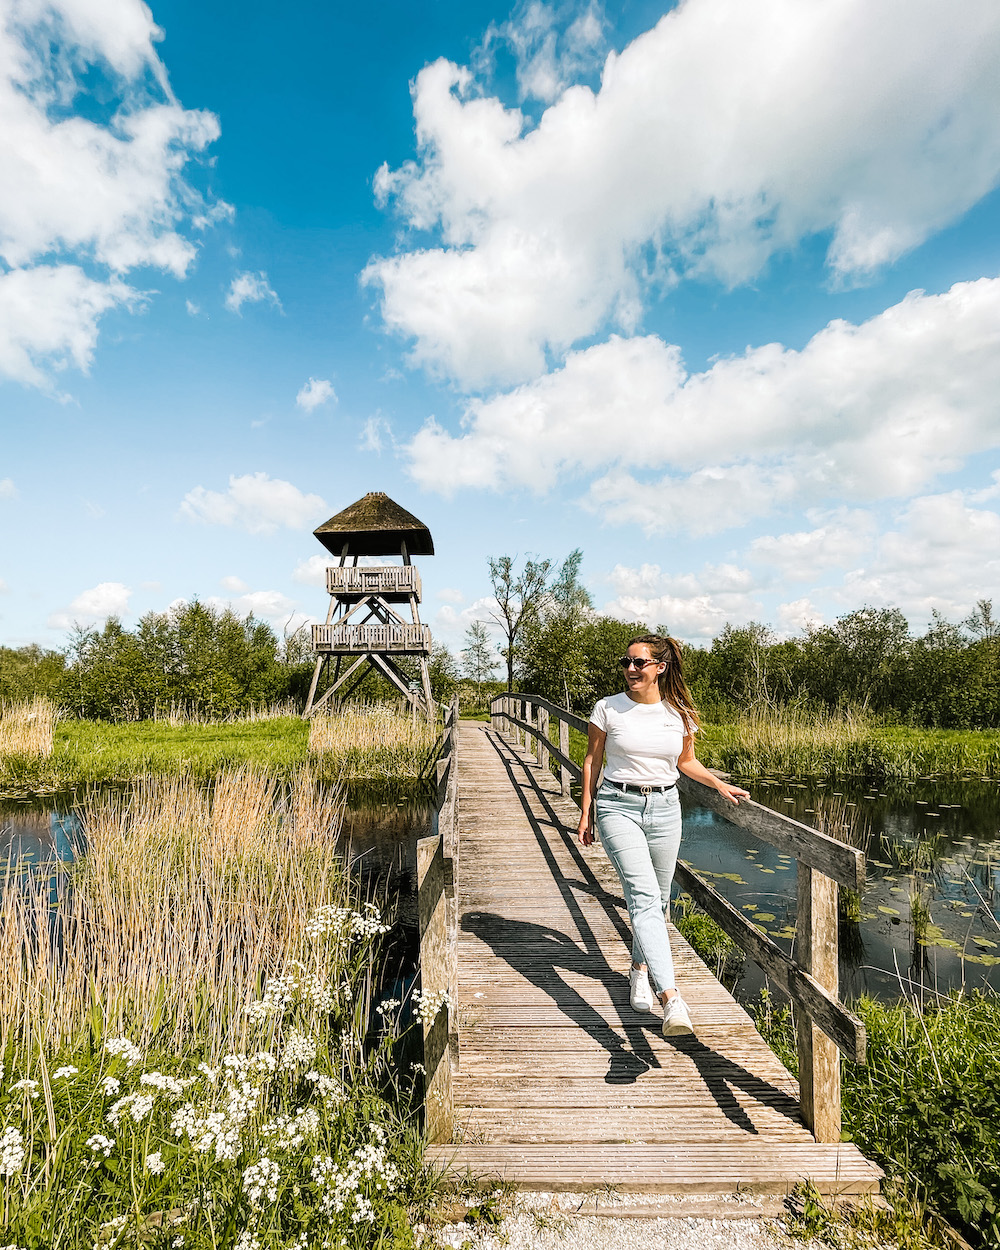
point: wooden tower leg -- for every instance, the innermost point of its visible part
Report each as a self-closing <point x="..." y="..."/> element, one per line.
<point x="321" y="661"/>
<point x="425" y="679"/>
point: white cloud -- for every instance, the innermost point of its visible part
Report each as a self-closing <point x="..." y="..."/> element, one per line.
<point x="943" y="554"/>
<point x="250" y="288"/>
<point x="728" y="133"/>
<point x="839" y="541"/>
<point x="798" y="616"/>
<point x="694" y="606"/>
<point x="450" y="622"/>
<point x="86" y="200"/>
<point x="267" y="605"/>
<point x="312" y="572"/>
<point x="862" y="412"/>
<point x="7" y="488"/>
<point x="375" y="433"/>
<point x="236" y="585"/>
<point x="4" y="588"/>
<point x="90" y="606"/>
<point x="315" y="392"/>
<point x="548" y="53"/>
<point x="254" y="502"/>
<point x="451" y="594"/>
<point x="193" y="309"/>
<point x="49" y="317"/>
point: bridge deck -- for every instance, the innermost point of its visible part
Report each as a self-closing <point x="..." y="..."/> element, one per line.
<point x="560" y="1084"/>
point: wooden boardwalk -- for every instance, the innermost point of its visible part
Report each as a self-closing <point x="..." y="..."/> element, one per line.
<point x="560" y="1085"/>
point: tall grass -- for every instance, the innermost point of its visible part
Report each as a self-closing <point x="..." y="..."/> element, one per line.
<point x="27" y="729"/>
<point x="179" y="714"/>
<point x="185" y="900"/>
<point x="793" y="741"/>
<point x="371" y="742"/>
<point x="191" y="1051"/>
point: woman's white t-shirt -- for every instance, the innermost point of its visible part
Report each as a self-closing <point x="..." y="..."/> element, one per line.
<point x="644" y="740"/>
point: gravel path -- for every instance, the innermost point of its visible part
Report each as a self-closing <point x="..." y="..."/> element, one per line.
<point x="631" y="1222"/>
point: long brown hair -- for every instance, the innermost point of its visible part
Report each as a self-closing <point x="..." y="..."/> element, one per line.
<point x="671" y="681"/>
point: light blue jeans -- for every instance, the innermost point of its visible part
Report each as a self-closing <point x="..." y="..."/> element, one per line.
<point x="641" y="835"/>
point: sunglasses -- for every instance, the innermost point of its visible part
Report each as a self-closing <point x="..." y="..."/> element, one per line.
<point x="628" y="660"/>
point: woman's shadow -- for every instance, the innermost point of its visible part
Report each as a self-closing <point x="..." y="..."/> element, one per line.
<point x="538" y="952"/>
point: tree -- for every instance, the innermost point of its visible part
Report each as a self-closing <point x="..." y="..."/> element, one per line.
<point x="519" y="598"/>
<point x="552" y="658"/>
<point x="478" y="663"/>
<point x="982" y="623"/>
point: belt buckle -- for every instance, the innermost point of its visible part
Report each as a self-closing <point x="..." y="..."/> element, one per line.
<point x="645" y="789"/>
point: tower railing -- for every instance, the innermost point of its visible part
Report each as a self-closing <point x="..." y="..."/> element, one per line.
<point x="385" y="579"/>
<point x="359" y="639"/>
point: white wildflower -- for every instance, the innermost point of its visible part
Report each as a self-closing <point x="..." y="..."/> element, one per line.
<point x="418" y="1069"/>
<point x="12" y="1151"/>
<point x="100" y="1144"/>
<point x="326" y="1086"/>
<point x="29" y="1086"/>
<point x="321" y="994"/>
<point x="166" y="1084"/>
<point x="122" y="1046"/>
<point x="247" y="1241"/>
<point x="260" y="1182"/>
<point x="69" y="1070"/>
<point x="210" y="1074"/>
<point x="263" y="1061"/>
<point x="279" y="994"/>
<point x="111" y="1085"/>
<point x="387" y="1006"/>
<point x="155" y="1164"/>
<point x="177" y="1243"/>
<point x="428" y="1003"/>
<point x="290" y="1131"/>
<point x="136" y="1106"/>
<point x="299" y="1049"/>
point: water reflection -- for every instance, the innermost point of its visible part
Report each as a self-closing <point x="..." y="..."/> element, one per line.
<point x="929" y="917"/>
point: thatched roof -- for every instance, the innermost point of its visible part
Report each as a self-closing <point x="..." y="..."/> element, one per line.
<point x="375" y="526"/>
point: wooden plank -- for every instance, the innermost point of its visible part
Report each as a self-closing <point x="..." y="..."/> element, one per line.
<point x="843" y="863"/>
<point x="663" y="1168"/>
<point x="837" y="1022"/>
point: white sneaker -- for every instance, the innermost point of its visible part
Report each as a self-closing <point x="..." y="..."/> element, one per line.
<point x="640" y="992"/>
<point x="676" y="1020"/>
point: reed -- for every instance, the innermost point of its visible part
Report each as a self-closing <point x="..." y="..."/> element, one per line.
<point x="371" y="742"/>
<point x="179" y="714"/>
<point x="803" y="742"/>
<point x="185" y="899"/>
<point x="27" y="729"/>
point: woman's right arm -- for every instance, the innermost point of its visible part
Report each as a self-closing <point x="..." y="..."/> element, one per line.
<point x="591" y="771"/>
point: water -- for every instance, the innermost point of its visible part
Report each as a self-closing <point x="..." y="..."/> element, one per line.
<point x="929" y="917"/>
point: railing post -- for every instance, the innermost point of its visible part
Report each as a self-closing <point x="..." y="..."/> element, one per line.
<point x="816" y="951"/>
<point x="564" y="777"/>
<point x="435" y="979"/>
<point x="542" y="740"/>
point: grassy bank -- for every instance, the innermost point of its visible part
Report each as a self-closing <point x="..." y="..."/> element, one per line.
<point x="927" y="1105"/>
<point x="49" y="755"/>
<point x="788" y="742"/>
<point x="193" y="1049"/>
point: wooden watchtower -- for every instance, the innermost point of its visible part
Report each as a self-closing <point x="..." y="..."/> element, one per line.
<point x="363" y="623"/>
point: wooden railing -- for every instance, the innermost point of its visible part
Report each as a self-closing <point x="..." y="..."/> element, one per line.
<point x="437" y="879"/>
<point x="381" y="579"/>
<point x="823" y="1024"/>
<point x="351" y="639"/>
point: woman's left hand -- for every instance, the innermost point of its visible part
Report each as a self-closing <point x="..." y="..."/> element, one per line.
<point x="732" y="793"/>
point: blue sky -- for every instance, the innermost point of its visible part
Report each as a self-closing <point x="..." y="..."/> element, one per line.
<point x="710" y="291"/>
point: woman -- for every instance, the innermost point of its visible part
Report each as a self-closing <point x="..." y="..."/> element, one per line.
<point x="647" y="734"/>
